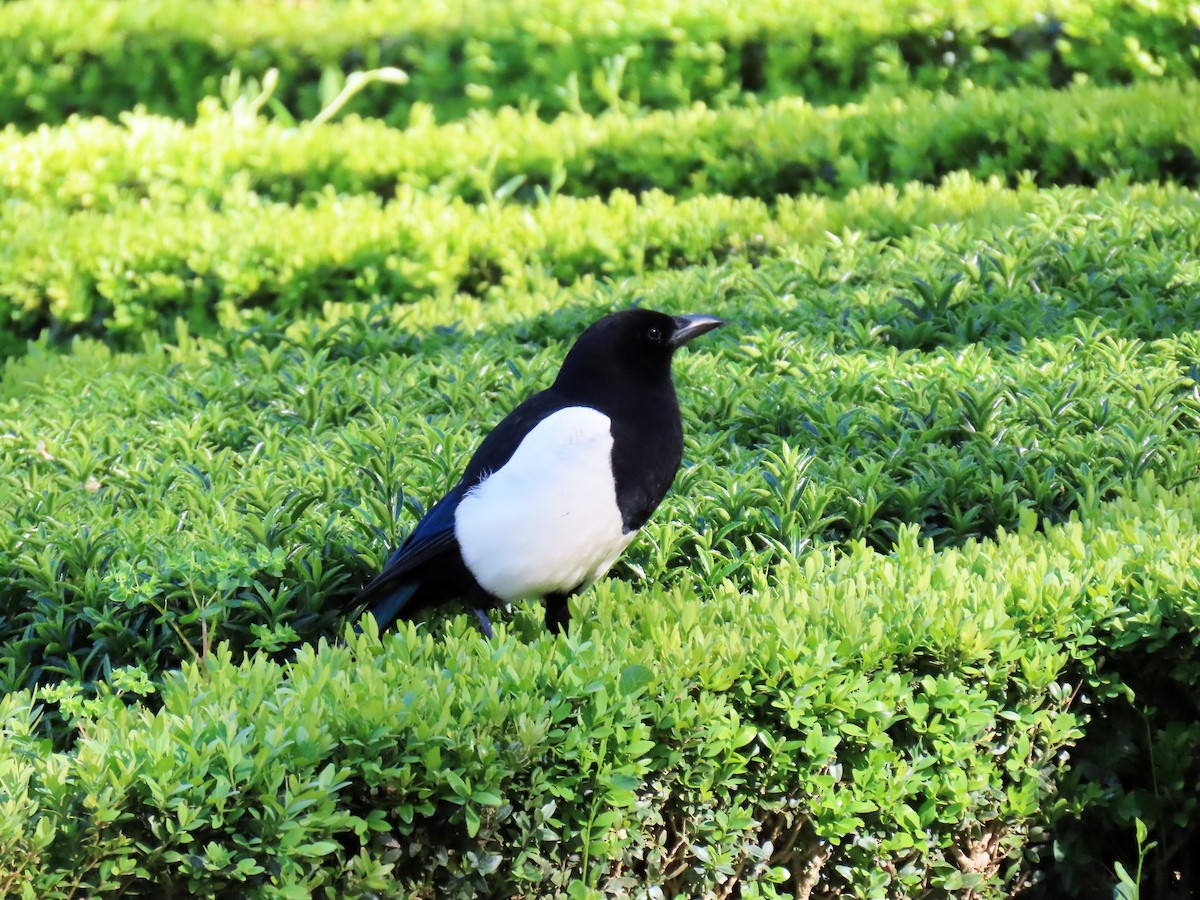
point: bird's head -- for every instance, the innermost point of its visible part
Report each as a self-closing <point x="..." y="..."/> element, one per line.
<point x="629" y="348"/>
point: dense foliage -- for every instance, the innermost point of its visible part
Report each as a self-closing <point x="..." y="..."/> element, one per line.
<point x="1079" y="135"/>
<point x="102" y="57"/>
<point x="782" y="735"/>
<point x="920" y="616"/>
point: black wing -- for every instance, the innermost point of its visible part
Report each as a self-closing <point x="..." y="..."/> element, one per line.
<point x="392" y="589"/>
<point x="502" y="442"/>
<point x="434" y="534"/>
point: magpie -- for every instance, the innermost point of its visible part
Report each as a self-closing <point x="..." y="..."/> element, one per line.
<point x="559" y="488"/>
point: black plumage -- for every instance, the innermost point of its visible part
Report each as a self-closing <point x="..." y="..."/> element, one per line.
<point x="558" y="488"/>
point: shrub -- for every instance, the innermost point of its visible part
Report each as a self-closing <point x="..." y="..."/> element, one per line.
<point x="789" y="146"/>
<point x="103" y="57"/>
<point x="885" y="723"/>
<point x="225" y="481"/>
<point x="138" y="267"/>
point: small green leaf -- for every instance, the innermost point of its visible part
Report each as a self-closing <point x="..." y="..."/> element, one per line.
<point x="457" y="784"/>
<point x="316" y="848"/>
<point x="1140" y="829"/>
<point x="634" y="679"/>
<point x="472" y="819"/>
<point x="487" y="798"/>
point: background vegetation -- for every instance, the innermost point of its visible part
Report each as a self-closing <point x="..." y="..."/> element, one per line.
<point x="921" y="615"/>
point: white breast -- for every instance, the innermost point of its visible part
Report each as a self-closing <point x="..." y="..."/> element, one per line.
<point x="547" y="520"/>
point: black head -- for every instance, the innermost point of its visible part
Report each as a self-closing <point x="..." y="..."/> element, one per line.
<point x="629" y="349"/>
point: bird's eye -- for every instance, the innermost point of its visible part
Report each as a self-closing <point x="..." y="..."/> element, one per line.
<point x="654" y="333"/>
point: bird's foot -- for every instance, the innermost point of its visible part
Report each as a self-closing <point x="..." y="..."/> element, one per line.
<point x="558" y="614"/>
<point x="484" y="623"/>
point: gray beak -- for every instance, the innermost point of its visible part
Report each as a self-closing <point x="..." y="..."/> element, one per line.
<point x="688" y="327"/>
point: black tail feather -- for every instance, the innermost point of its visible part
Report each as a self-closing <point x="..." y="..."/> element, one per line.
<point x="386" y="602"/>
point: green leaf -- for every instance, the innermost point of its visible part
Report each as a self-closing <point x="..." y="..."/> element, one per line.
<point x="472" y="820"/>
<point x="634" y="679"/>
<point x="487" y="798"/>
<point x="316" y="848"/>
<point x="457" y="784"/>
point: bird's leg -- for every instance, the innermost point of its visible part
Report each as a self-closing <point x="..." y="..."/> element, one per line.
<point x="558" y="614"/>
<point x="484" y="623"/>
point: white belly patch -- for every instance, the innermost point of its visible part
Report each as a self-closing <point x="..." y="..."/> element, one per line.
<point x="547" y="520"/>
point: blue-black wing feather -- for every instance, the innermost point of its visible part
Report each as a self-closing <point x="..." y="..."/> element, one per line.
<point x="433" y="536"/>
<point x="432" y="545"/>
<point x="389" y="592"/>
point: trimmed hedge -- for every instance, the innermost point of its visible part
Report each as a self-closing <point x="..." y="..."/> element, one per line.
<point x="920" y="616"/>
<point x="855" y="724"/>
<point x="103" y="57"/>
<point x="236" y="487"/>
<point x="233" y="486"/>
<point x="1080" y="135"/>
<point x="140" y="265"/>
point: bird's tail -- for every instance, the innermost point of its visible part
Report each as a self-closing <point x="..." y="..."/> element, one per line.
<point x="385" y="599"/>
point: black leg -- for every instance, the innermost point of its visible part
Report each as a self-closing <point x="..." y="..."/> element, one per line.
<point x="558" y="614"/>
<point x="484" y="623"/>
<point x="480" y="601"/>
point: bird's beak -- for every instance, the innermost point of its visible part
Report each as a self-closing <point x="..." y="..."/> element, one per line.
<point x="688" y="327"/>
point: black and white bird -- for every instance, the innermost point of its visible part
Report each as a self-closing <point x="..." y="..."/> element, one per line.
<point x="559" y="488"/>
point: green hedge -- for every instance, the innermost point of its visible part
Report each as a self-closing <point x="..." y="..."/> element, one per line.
<point x="233" y="485"/>
<point x="102" y="57"/>
<point x="234" y="488"/>
<point x="855" y="724"/>
<point x="1081" y="135"/>
<point x="920" y="614"/>
<point x="140" y="265"/>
